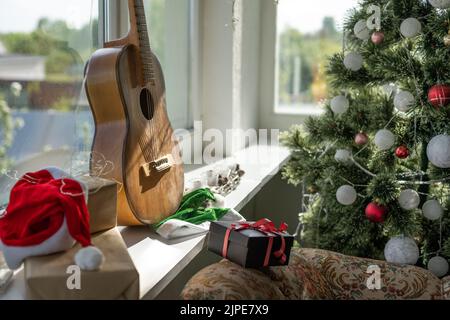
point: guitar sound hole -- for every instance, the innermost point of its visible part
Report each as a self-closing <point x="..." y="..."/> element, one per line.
<point x="147" y="106"/>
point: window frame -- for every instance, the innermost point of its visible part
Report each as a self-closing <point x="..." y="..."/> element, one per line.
<point x="305" y="112"/>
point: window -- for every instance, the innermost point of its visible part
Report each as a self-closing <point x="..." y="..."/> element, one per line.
<point x="169" y="30"/>
<point x="45" y="118"/>
<point x="44" y="114"/>
<point x="306" y="36"/>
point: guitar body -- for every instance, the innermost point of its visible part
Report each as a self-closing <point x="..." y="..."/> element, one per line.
<point x="133" y="132"/>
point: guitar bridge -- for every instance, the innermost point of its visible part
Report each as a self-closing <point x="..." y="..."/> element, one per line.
<point x="160" y="165"/>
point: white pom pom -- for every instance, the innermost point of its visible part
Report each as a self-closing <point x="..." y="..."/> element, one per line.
<point x="440" y="4"/>
<point x="401" y="250"/>
<point x="409" y="199"/>
<point x="404" y="100"/>
<point x="410" y="27"/>
<point x="438" y="266"/>
<point x="438" y="151"/>
<point x="89" y="258"/>
<point x="361" y="31"/>
<point x="432" y="210"/>
<point x="342" y="156"/>
<point x="346" y="195"/>
<point x="339" y="104"/>
<point x="353" y="61"/>
<point x="384" y="139"/>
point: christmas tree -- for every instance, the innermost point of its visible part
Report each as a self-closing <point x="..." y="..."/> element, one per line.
<point x="376" y="163"/>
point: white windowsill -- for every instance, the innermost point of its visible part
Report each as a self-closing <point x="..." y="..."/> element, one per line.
<point x="159" y="261"/>
<point x="299" y="109"/>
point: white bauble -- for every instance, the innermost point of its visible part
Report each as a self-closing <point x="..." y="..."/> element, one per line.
<point x="404" y="100"/>
<point x="353" y="61"/>
<point x="440" y="4"/>
<point x="409" y="199"/>
<point x="342" y="156"/>
<point x="89" y="258"/>
<point x="384" y="139"/>
<point x="438" y="151"/>
<point x="438" y="266"/>
<point x="410" y="27"/>
<point x="339" y="104"/>
<point x="432" y="210"/>
<point x="401" y="250"/>
<point x="361" y="31"/>
<point x="346" y="195"/>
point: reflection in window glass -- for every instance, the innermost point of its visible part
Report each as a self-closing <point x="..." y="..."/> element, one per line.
<point x="44" y="114"/>
<point x="168" y="24"/>
<point x="307" y="35"/>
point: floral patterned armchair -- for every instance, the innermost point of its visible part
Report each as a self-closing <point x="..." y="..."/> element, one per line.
<point x="315" y="274"/>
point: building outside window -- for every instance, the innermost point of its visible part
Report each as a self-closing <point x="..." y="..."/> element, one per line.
<point x="306" y="36"/>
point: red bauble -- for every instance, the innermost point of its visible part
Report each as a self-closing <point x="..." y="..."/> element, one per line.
<point x="377" y="37"/>
<point x="361" y="139"/>
<point x="402" y="152"/>
<point x="439" y="95"/>
<point x="375" y="212"/>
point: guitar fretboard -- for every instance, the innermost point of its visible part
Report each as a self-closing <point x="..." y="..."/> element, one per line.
<point x="144" y="43"/>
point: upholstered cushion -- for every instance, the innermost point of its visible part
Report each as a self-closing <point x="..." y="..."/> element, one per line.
<point x="315" y="274"/>
<point x="228" y="281"/>
<point x="347" y="277"/>
<point x="446" y="288"/>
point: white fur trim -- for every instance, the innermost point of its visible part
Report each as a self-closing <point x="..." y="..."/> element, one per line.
<point x="89" y="258"/>
<point x="220" y="201"/>
<point x="60" y="241"/>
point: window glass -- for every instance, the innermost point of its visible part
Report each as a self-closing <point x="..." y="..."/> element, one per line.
<point x="168" y="24"/>
<point x="44" y="114"/>
<point x="306" y="35"/>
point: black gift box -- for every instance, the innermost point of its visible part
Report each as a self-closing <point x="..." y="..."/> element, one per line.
<point x="247" y="247"/>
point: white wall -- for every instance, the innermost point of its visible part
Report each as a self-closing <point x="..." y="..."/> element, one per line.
<point x="251" y="50"/>
<point x="231" y="46"/>
<point x="217" y="64"/>
<point x="242" y="62"/>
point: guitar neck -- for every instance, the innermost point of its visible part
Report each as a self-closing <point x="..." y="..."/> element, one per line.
<point x="138" y="25"/>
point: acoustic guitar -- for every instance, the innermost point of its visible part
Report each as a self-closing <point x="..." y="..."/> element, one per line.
<point x="126" y="91"/>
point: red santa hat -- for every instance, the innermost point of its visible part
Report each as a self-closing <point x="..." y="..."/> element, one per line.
<point x="47" y="213"/>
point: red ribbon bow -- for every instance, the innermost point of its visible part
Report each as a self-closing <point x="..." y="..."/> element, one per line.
<point x="268" y="228"/>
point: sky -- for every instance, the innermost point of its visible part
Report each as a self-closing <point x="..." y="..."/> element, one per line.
<point x="307" y="15"/>
<point x="23" y="15"/>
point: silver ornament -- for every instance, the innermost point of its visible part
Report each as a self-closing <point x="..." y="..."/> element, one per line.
<point x="410" y="27"/>
<point x="438" y="266"/>
<point x="346" y="195"/>
<point x="409" y="199"/>
<point x="440" y="4"/>
<point x="384" y="139"/>
<point x="438" y="151"/>
<point x="401" y="250"/>
<point x="361" y="31"/>
<point x="342" y="156"/>
<point x="353" y="61"/>
<point x="404" y="100"/>
<point x="339" y="104"/>
<point x="432" y="210"/>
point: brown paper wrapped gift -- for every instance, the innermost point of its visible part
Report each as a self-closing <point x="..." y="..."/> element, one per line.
<point x="102" y="203"/>
<point x="47" y="278"/>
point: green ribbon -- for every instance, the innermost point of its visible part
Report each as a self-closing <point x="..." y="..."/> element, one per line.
<point x="193" y="209"/>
